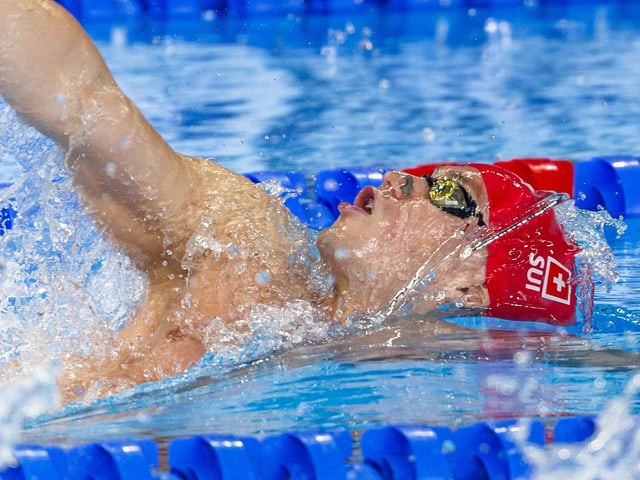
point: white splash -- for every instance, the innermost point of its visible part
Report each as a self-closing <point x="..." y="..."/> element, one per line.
<point x="613" y="452"/>
<point x="587" y="229"/>
<point x="22" y="399"/>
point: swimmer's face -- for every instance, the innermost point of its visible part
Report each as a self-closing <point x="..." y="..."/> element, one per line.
<point x="378" y="243"/>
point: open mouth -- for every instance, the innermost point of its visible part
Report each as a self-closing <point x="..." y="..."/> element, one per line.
<point x="366" y="199"/>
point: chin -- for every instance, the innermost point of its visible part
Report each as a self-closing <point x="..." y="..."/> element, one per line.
<point x="328" y="243"/>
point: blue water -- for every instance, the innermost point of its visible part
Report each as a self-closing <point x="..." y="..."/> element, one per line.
<point x="388" y="89"/>
<point x="315" y="92"/>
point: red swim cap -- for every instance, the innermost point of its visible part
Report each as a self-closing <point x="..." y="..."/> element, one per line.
<point x="530" y="269"/>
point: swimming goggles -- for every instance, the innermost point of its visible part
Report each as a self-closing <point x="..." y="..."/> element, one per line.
<point x="452" y="198"/>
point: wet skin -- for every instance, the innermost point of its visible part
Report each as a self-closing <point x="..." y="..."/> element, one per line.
<point x="203" y="236"/>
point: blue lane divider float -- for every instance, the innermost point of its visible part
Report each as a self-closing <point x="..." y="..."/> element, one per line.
<point x="603" y="182"/>
<point x="407" y="452"/>
<point x="599" y="183"/>
<point x="415" y="451"/>
<point x="109" y="10"/>
<point x="331" y="187"/>
<point x="315" y="214"/>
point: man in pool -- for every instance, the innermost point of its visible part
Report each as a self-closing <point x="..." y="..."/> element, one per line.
<point x="212" y="244"/>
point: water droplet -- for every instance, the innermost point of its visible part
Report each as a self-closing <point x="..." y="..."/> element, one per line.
<point x="330" y="185"/>
<point x="341" y="254"/>
<point x="523" y="357"/>
<point x="448" y="447"/>
<point x="428" y="134"/>
<point x="111" y="169"/>
<point x="564" y="454"/>
<point x="119" y="36"/>
<point x="582" y="80"/>
<point x="263" y="277"/>
<point x="366" y="45"/>
<point x="491" y="26"/>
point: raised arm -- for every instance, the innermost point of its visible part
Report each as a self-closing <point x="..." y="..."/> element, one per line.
<point x="55" y="78"/>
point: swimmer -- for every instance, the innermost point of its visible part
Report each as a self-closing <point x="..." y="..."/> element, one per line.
<point x="211" y="243"/>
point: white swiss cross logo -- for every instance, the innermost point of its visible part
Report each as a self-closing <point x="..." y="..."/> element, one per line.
<point x="556" y="286"/>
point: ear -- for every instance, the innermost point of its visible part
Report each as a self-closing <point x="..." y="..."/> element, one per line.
<point x="474" y="297"/>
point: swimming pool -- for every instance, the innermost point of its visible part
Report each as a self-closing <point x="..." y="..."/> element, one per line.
<point x="310" y="92"/>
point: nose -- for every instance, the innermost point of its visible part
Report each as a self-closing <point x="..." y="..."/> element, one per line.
<point x="399" y="184"/>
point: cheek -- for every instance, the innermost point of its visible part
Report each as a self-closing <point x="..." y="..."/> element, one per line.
<point x="429" y="230"/>
<point x="344" y="243"/>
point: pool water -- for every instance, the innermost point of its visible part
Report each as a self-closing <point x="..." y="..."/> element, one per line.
<point x="389" y="89"/>
<point x="357" y="383"/>
<point x="315" y="92"/>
